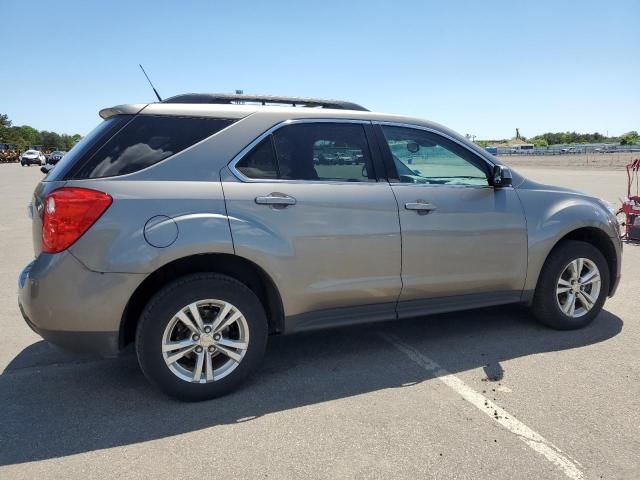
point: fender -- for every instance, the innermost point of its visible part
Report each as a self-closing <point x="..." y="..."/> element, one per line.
<point x="552" y="213"/>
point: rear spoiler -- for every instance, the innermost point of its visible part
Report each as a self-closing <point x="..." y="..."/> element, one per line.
<point x="127" y="109"/>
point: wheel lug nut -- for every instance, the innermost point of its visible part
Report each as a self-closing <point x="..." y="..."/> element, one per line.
<point x="211" y="349"/>
<point x="216" y="337"/>
<point x="207" y="329"/>
<point x="195" y="337"/>
<point x="198" y="349"/>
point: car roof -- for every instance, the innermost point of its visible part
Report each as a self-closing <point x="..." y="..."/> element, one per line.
<point x="240" y="98"/>
<point x="234" y="111"/>
<point x="278" y="114"/>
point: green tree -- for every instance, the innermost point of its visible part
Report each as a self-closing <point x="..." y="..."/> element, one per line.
<point x="29" y="134"/>
<point x="540" y="142"/>
<point x="4" y="121"/>
<point x="630" y="138"/>
<point x="5" y="124"/>
<point x="24" y="135"/>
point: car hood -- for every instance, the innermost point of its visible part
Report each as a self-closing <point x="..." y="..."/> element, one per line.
<point x="526" y="184"/>
<point x="567" y="193"/>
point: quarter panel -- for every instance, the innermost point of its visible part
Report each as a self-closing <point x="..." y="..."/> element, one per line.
<point x="116" y="242"/>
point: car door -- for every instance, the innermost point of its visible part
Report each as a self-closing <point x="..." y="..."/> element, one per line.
<point x="305" y="204"/>
<point x="464" y="242"/>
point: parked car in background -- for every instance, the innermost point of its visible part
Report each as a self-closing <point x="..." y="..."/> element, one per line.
<point x="194" y="229"/>
<point x="607" y="149"/>
<point x="56" y="156"/>
<point x="32" y="157"/>
<point x="570" y="150"/>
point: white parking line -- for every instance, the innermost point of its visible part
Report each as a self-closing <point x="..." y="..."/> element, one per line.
<point x="536" y="441"/>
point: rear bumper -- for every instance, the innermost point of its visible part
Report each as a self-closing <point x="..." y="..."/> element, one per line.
<point x="104" y="344"/>
<point x="73" y="307"/>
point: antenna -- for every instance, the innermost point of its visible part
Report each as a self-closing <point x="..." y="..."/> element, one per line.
<point x="149" y="80"/>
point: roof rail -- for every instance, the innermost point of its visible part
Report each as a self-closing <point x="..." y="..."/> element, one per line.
<point x="226" y="98"/>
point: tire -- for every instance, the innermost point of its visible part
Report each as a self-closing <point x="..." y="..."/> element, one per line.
<point x="547" y="302"/>
<point x="155" y="327"/>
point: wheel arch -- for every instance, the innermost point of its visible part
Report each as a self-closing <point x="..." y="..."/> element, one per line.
<point x="243" y="270"/>
<point x="599" y="239"/>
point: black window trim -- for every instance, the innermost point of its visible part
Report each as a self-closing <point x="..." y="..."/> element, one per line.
<point x="375" y="159"/>
<point x="482" y="163"/>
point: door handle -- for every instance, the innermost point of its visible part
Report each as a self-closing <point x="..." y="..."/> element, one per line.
<point x="420" y="206"/>
<point x="276" y="199"/>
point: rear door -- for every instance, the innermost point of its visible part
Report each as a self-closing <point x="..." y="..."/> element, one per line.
<point x="464" y="243"/>
<point x="305" y="203"/>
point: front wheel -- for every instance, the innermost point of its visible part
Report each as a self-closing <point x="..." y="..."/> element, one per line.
<point x="201" y="336"/>
<point x="572" y="286"/>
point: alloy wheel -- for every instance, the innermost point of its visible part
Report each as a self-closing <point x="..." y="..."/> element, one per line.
<point x="578" y="287"/>
<point x="205" y="341"/>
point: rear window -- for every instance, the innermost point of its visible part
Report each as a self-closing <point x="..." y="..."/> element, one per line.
<point x="86" y="147"/>
<point x="140" y="143"/>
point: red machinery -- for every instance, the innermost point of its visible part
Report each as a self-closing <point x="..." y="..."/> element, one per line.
<point x="629" y="213"/>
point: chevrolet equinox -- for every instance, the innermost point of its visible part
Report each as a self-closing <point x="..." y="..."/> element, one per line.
<point x="196" y="227"/>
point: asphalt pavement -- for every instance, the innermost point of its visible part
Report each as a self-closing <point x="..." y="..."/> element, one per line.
<point x="472" y="395"/>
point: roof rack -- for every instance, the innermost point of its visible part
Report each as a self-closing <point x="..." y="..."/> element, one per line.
<point x="226" y="98"/>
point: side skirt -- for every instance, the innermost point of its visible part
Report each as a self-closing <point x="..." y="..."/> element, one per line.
<point x="430" y="306"/>
<point x="338" y="317"/>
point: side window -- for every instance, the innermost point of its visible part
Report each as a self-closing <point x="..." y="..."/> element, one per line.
<point x="323" y="151"/>
<point x="424" y="157"/>
<point x="260" y="162"/>
<point x="147" y="140"/>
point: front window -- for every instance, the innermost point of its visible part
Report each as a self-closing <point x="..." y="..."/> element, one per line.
<point x="427" y="158"/>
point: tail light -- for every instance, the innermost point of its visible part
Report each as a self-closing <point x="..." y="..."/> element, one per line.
<point x="68" y="213"/>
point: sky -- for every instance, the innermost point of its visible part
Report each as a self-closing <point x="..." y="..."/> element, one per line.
<point x="479" y="67"/>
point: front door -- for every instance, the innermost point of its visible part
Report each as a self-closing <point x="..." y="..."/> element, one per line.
<point x="464" y="243"/>
<point x="306" y="206"/>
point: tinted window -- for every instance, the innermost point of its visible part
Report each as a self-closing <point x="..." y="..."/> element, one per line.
<point x="86" y="147"/>
<point x="323" y="151"/>
<point x="260" y="162"/>
<point x="424" y="157"/>
<point x="144" y="141"/>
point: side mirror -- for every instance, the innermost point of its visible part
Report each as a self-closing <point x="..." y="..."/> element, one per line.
<point x="501" y="176"/>
<point x="413" y="147"/>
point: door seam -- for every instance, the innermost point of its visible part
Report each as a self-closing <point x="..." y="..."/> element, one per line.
<point x="401" y="249"/>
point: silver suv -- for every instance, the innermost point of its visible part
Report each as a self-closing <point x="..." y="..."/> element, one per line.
<point x="196" y="227"/>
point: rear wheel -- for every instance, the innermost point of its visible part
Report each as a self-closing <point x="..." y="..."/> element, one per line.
<point x="572" y="287"/>
<point x="201" y="336"/>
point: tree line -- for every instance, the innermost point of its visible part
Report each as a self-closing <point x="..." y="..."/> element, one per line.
<point x="564" y="138"/>
<point x="22" y="136"/>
